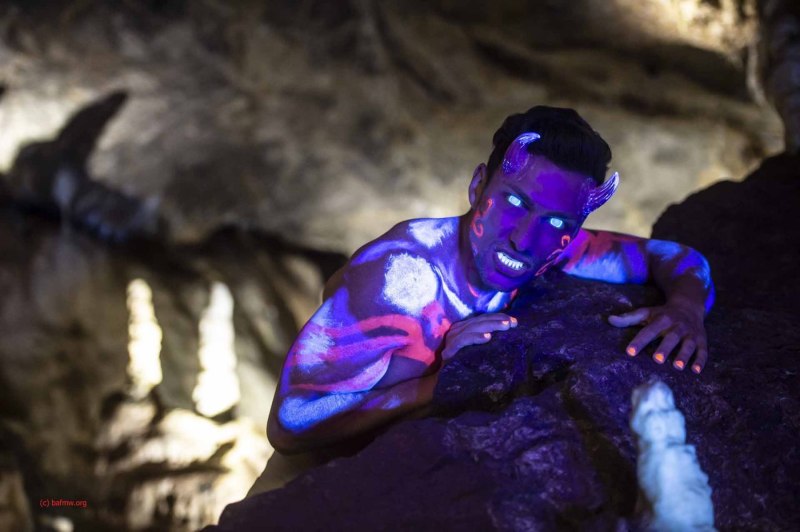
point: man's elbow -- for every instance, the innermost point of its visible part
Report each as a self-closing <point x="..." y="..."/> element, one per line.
<point x="281" y="439"/>
<point x="288" y="425"/>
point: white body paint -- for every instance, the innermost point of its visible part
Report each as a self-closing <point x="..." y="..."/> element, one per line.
<point x="461" y="307"/>
<point x="316" y="342"/>
<point x="431" y="233"/>
<point x="663" y="248"/>
<point x="497" y="302"/>
<point x="410" y="283"/>
<point x="609" y="269"/>
<point x="677" y="496"/>
<point x="296" y="413"/>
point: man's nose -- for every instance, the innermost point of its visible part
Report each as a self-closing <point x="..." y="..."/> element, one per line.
<point x="524" y="234"/>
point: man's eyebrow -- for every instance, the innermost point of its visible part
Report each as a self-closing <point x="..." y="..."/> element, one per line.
<point x="529" y="201"/>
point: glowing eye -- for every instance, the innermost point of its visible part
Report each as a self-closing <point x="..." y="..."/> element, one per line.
<point x="558" y="223"/>
<point x="515" y="201"/>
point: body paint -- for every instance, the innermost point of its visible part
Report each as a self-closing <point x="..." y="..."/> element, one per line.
<point x="461" y="307"/>
<point x="431" y="233"/>
<point x="497" y="302"/>
<point x="361" y="352"/>
<point x="553" y="257"/>
<point x="297" y="414"/>
<point x="472" y="290"/>
<point x="477" y="221"/>
<point x="606" y="256"/>
<point x="410" y="283"/>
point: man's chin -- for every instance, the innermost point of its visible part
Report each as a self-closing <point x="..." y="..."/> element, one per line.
<point x="503" y="283"/>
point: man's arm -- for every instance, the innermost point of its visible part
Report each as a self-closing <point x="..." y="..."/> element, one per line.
<point x="682" y="274"/>
<point x="317" y="420"/>
<point x="366" y="356"/>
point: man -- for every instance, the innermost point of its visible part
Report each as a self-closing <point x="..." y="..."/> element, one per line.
<point x="408" y="301"/>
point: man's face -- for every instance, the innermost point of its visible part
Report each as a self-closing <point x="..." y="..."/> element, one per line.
<point x="520" y="222"/>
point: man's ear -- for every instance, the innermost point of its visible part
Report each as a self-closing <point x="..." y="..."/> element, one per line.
<point x="478" y="183"/>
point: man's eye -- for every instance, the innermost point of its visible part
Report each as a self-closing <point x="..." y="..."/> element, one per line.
<point x="558" y="223"/>
<point x="514" y="200"/>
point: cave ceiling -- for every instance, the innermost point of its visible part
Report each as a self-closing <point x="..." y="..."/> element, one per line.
<point x="330" y="122"/>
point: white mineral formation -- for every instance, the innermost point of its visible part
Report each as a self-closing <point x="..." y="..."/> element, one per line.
<point x="674" y="491"/>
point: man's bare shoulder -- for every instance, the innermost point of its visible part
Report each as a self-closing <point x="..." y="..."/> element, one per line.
<point x="419" y="243"/>
<point x="420" y="237"/>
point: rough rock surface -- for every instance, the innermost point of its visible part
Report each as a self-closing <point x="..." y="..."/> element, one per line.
<point x="533" y="432"/>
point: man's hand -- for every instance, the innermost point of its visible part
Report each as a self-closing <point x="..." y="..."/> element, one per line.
<point x="475" y="330"/>
<point x="677" y="324"/>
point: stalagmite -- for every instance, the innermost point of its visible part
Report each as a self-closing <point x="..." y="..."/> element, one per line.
<point x="676" y="494"/>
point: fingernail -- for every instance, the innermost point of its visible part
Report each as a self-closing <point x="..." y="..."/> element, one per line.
<point x="696" y="368"/>
<point x="487" y="335"/>
<point x="658" y="357"/>
<point x="631" y="351"/>
<point x="679" y="364"/>
<point x="514" y="321"/>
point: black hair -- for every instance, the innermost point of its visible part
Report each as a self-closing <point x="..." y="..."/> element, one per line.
<point x="567" y="140"/>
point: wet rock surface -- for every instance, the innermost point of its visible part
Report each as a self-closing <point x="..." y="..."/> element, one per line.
<point x="532" y="431"/>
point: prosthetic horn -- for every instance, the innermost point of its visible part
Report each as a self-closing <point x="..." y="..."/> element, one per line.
<point x="599" y="195"/>
<point x="516" y="154"/>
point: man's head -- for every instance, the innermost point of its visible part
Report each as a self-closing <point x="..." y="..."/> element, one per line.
<point x="565" y="139"/>
<point x="542" y="179"/>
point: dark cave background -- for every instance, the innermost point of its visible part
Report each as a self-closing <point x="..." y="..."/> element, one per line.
<point x="179" y="179"/>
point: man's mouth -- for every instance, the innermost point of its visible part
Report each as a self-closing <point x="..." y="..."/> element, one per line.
<point x="509" y="262"/>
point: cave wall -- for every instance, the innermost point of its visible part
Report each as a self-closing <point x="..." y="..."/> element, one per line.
<point x="330" y="123"/>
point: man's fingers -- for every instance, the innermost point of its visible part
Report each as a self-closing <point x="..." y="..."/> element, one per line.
<point x="635" y="317"/>
<point x="489" y="324"/>
<point x="676" y="326"/>
<point x="473" y="339"/>
<point x="682" y="358"/>
<point x="476" y="330"/>
<point x="463" y="340"/>
<point x="665" y="348"/>
<point x="646" y="335"/>
<point x="700" y="359"/>
<point x="472" y="330"/>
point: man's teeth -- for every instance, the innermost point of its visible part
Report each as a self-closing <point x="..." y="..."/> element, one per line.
<point x="508" y="261"/>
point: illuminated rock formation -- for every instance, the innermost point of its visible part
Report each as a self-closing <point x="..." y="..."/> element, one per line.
<point x="675" y="491"/>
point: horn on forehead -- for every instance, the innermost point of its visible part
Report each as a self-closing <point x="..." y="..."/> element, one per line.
<point x="516" y="153"/>
<point x="599" y="195"/>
